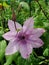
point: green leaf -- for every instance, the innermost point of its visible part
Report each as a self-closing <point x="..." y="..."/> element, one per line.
<point x="9" y="60"/>
<point x="2" y="49"/>
<point x="8" y="2"/>
<point x="20" y="61"/>
<point x="46" y="52"/>
<point x="1" y="33"/>
<point x="46" y="25"/>
<point x="4" y="4"/>
<point x="46" y="2"/>
<point x="41" y="57"/>
<point x="24" y="5"/>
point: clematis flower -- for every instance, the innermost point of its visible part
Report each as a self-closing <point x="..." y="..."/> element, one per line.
<point x="23" y="39"/>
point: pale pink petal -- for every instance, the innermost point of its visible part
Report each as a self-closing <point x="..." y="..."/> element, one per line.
<point x="11" y="25"/>
<point x="28" y="24"/>
<point x="29" y="47"/>
<point x="36" y="42"/>
<point x="25" y="50"/>
<point x="18" y="26"/>
<point x="12" y="47"/>
<point x="37" y="32"/>
<point x="9" y="35"/>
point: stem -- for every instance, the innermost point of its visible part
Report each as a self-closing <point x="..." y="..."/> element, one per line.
<point x="2" y="17"/>
<point x="30" y="7"/>
<point x="15" y="25"/>
<point x="44" y="61"/>
<point x="35" y="54"/>
<point x="2" y="22"/>
<point x="42" y="9"/>
<point x="18" y="9"/>
<point x="14" y="17"/>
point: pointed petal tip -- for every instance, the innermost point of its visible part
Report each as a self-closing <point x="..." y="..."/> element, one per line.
<point x="42" y="29"/>
<point x="28" y="24"/>
<point x="9" y="35"/>
<point x="8" y="53"/>
<point x="26" y="57"/>
<point x="11" y="25"/>
<point x="31" y="18"/>
<point x="4" y="36"/>
<point x="9" y="21"/>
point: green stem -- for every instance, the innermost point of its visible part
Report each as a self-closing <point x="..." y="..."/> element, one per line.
<point x="35" y="54"/>
<point x="2" y="17"/>
<point x="30" y="8"/>
<point x="45" y="13"/>
<point x="2" y="21"/>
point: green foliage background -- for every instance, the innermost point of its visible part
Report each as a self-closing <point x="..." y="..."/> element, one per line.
<point x="24" y="9"/>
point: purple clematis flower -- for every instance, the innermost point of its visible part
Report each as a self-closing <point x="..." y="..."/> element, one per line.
<point x="24" y="39"/>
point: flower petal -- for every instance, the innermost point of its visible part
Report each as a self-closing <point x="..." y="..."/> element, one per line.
<point x="36" y="32"/>
<point x="29" y="47"/>
<point x="25" y="50"/>
<point x="12" y="25"/>
<point x="36" y="42"/>
<point x="18" y="26"/>
<point x="12" y="47"/>
<point x="28" y="24"/>
<point x="9" y="35"/>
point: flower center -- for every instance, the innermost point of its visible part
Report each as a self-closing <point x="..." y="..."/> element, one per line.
<point x="22" y="37"/>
